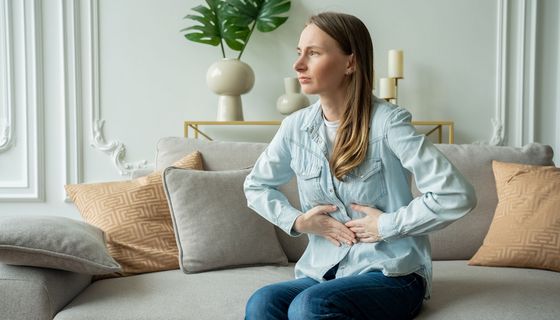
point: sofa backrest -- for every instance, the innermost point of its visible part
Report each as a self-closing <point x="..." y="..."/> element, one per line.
<point x="459" y="241"/>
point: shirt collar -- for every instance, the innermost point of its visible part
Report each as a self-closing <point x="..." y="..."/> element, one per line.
<point x="313" y="126"/>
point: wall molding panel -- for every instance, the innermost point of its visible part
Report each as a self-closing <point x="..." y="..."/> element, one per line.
<point x="498" y="122"/>
<point x="74" y="169"/>
<point x="115" y="149"/>
<point x="516" y="52"/>
<point x="26" y="87"/>
<point x="7" y="123"/>
<point x="521" y="61"/>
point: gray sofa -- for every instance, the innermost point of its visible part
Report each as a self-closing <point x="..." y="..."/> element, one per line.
<point x="459" y="291"/>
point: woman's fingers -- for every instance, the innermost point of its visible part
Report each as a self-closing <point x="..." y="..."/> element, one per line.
<point x="346" y="239"/>
<point x="355" y="223"/>
<point x="368" y="239"/>
<point x="333" y="241"/>
<point x="357" y="230"/>
<point x="344" y="232"/>
<point x="322" y="209"/>
<point x="321" y="223"/>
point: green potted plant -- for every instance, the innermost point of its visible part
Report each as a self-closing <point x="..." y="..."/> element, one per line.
<point x="233" y="22"/>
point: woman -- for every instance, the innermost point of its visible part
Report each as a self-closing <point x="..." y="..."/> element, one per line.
<point x="368" y="255"/>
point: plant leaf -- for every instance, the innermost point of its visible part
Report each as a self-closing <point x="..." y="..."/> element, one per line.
<point x="271" y="14"/>
<point x="233" y="21"/>
<point x="267" y="14"/>
<point x="235" y="36"/>
<point x="269" y="24"/>
<point x="201" y="38"/>
<point x="208" y="30"/>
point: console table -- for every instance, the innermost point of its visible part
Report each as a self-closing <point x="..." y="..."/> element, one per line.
<point x="434" y="126"/>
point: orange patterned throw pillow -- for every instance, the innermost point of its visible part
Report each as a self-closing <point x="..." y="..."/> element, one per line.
<point x="525" y="231"/>
<point x="135" y="217"/>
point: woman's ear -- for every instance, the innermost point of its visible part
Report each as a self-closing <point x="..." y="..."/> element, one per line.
<point x="351" y="64"/>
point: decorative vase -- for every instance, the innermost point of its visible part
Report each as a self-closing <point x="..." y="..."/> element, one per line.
<point x="293" y="99"/>
<point x="229" y="79"/>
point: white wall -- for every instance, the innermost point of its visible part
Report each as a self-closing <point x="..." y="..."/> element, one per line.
<point x="64" y="64"/>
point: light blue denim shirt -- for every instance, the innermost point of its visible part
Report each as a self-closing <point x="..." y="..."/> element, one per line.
<point x="382" y="181"/>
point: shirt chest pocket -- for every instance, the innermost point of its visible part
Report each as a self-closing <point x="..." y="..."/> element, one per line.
<point x="366" y="183"/>
<point x="308" y="169"/>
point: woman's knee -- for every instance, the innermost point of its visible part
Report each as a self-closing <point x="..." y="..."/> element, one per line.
<point x="258" y="303"/>
<point x="300" y="307"/>
<point x="309" y="305"/>
<point x="272" y="301"/>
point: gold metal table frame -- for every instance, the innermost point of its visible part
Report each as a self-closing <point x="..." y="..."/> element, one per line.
<point x="436" y="126"/>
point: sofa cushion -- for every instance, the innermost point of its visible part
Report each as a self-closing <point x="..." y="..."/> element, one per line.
<point x="462" y="292"/>
<point x="213" y="226"/>
<point x="525" y="231"/>
<point x="221" y="155"/>
<point x="135" y="218"/>
<point x="37" y="293"/>
<point x="172" y="295"/>
<point x="461" y="239"/>
<point x="459" y="292"/>
<point x="55" y="242"/>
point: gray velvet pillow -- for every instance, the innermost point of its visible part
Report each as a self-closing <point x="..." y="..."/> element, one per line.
<point x="56" y="243"/>
<point x="214" y="227"/>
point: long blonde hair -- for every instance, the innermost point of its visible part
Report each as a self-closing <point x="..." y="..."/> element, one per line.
<point x="352" y="137"/>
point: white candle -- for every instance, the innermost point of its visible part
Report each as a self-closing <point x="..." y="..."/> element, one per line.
<point x="387" y="88"/>
<point x="396" y="64"/>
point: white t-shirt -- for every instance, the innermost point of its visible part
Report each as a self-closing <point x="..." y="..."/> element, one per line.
<point x="330" y="130"/>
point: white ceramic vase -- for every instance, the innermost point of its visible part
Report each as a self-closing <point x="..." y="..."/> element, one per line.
<point x="292" y="100"/>
<point x="229" y="79"/>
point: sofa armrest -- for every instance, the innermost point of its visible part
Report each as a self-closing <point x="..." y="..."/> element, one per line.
<point x="37" y="293"/>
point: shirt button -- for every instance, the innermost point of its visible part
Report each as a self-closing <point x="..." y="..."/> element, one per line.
<point x="330" y="190"/>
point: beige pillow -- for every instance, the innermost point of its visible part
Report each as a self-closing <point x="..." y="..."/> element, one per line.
<point x="525" y="231"/>
<point x="134" y="215"/>
<point x="214" y="227"/>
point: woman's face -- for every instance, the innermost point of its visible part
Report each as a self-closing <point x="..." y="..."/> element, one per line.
<point x="321" y="66"/>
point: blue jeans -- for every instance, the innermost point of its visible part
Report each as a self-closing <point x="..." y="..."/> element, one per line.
<point x="370" y="295"/>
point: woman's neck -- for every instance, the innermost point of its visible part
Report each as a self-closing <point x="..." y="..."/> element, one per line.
<point x="333" y="107"/>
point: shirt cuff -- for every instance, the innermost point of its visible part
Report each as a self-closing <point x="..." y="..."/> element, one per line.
<point x="386" y="227"/>
<point x="287" y="219"/>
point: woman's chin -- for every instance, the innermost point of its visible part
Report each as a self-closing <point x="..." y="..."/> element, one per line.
<point x="308" y="90"/>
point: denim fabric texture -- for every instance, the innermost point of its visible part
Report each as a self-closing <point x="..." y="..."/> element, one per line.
<point x="382" y="181"/>
<point x="367" y="296"/>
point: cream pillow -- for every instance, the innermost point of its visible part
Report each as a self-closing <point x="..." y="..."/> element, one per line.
<point x="134" y="215"/>
<point x="525" y="231"/>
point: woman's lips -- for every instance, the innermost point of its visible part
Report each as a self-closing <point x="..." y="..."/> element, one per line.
<point x="304" y="80"/>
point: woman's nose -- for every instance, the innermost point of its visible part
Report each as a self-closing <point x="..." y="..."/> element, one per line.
<point x="299" y="64"/>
